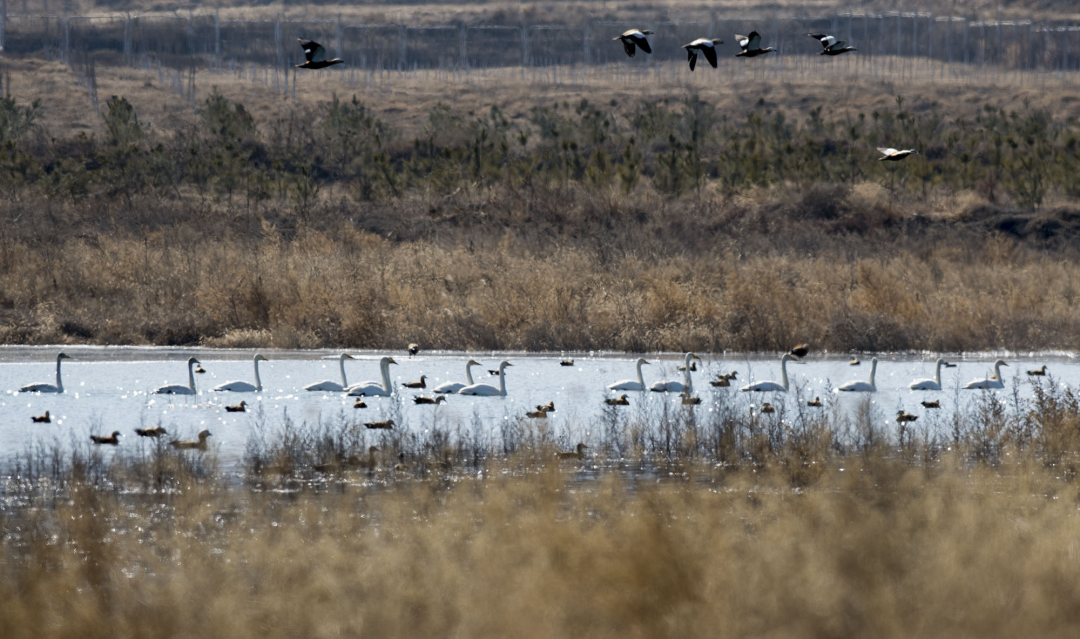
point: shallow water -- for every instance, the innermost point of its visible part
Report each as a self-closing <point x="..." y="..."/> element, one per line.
<point x="110" y="388"/>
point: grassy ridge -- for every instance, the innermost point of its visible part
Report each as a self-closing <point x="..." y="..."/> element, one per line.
<point x="654" y="225"/>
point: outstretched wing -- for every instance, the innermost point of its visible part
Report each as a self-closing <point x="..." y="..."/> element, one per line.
<point x="313" y="51"/>
<point x="643" y="43"/>
<point x="837" y="44"/>
<point x="886" y="151"/>
<point x="754" y="41"/>
<point x="693" y="58"/>
<point x="742" y="40"/>
<point x="826" y="41"/>
<point x="628" y="46"/>
<point x="710" y="55"/>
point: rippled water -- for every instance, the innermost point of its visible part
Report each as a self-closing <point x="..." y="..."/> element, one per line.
<point x="110" y="388"/>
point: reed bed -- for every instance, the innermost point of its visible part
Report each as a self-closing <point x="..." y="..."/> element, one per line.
<point x="805" y="529"/>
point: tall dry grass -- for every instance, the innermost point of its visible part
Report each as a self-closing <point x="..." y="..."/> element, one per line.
<point x="507" y="287"/>
<point x="802" y="528"/>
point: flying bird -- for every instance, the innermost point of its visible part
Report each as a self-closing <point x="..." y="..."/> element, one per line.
<point x="316" y="56"/>
<point x="831" y="44"/>
<point x="751" y="45"/>
<point x="707" y="46"/>
<point x="635" y="38"/>
<point x="893" y="155"/>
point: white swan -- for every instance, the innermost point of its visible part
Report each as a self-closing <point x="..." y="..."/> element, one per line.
<point x="630" y="384"/>
<point x="488" y="390"/>
<point x="48" y="388"/>
<point x="929" y="384"/>
<point x="989" y="382"/>
<point x="453" y="387"/>
<point x="179" y="389"/>
<point x="383" y="389"/>
<point x="862" y="387"/>
<point x="670" y="386"/>
<point x="769" y="387"/>
<point x="245" y="387"/>
<point x="327" y="385"/>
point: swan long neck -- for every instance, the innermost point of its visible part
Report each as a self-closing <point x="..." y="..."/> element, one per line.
<point x="873" y="371"/>
<point x="502" y="379"/>
<point x="59" y="382"/>
<point x="783" y="373"/>
<point x="191" y="375"/>
<point x="258" y="380"/>
<point x="686" y="372"/>
<point x="468" y="373"/>
<point x="341" y="364"/>
<point x="937" y="375"/>
<point x="385" y="366"/>
<point x="997" y="372"/>
<point x="640" y="379"/>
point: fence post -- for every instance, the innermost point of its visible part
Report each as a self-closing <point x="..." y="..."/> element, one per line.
<point x="930" y="37"/>
<point x="66" y="39"/>
<point x="3" y="22"/>
<point x="217" y="40"/>
<point x="915" y="33"/>
<point x="899" y="32"/>
<point x="588" y="34"/>
<point x="278" y="45"/>
<point x="524" y="45"/>
<point x="464" y="35"/>
<point x="966" y="59"/>
<point x="339" y="37"/>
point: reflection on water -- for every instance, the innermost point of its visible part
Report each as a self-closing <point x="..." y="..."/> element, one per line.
<point x="109" y="388"/>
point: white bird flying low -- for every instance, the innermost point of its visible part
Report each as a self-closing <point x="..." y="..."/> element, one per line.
<point x="893" y="155"/>
<point x="635" y="38"/>
<point x="707" y="46"/>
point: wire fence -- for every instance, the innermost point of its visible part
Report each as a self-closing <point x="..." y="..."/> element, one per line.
<point x="207" y="40"/>
<point x="892" y="46"/>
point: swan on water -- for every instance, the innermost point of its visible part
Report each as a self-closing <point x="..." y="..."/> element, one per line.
<point x="487" y="389"/>
<point x="453" y="387"/>
<point x="767" y="386"/>
<point x="989" y="382"/>
<point x="671" y="386"/>
<point x="179" y="389"/>
<point x="245" y="387"/>
<point x="929" y="384"/>
<point x="860" y="386"/>
<point x="48" y="388"/>
<point x="327" y="385"/>
<point x="629" y="384"/>
<point x="384" y="388"/>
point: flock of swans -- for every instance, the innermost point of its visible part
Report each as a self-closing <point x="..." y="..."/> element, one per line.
<point x="384" y="387"/>
<point x="617" y="394"/>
